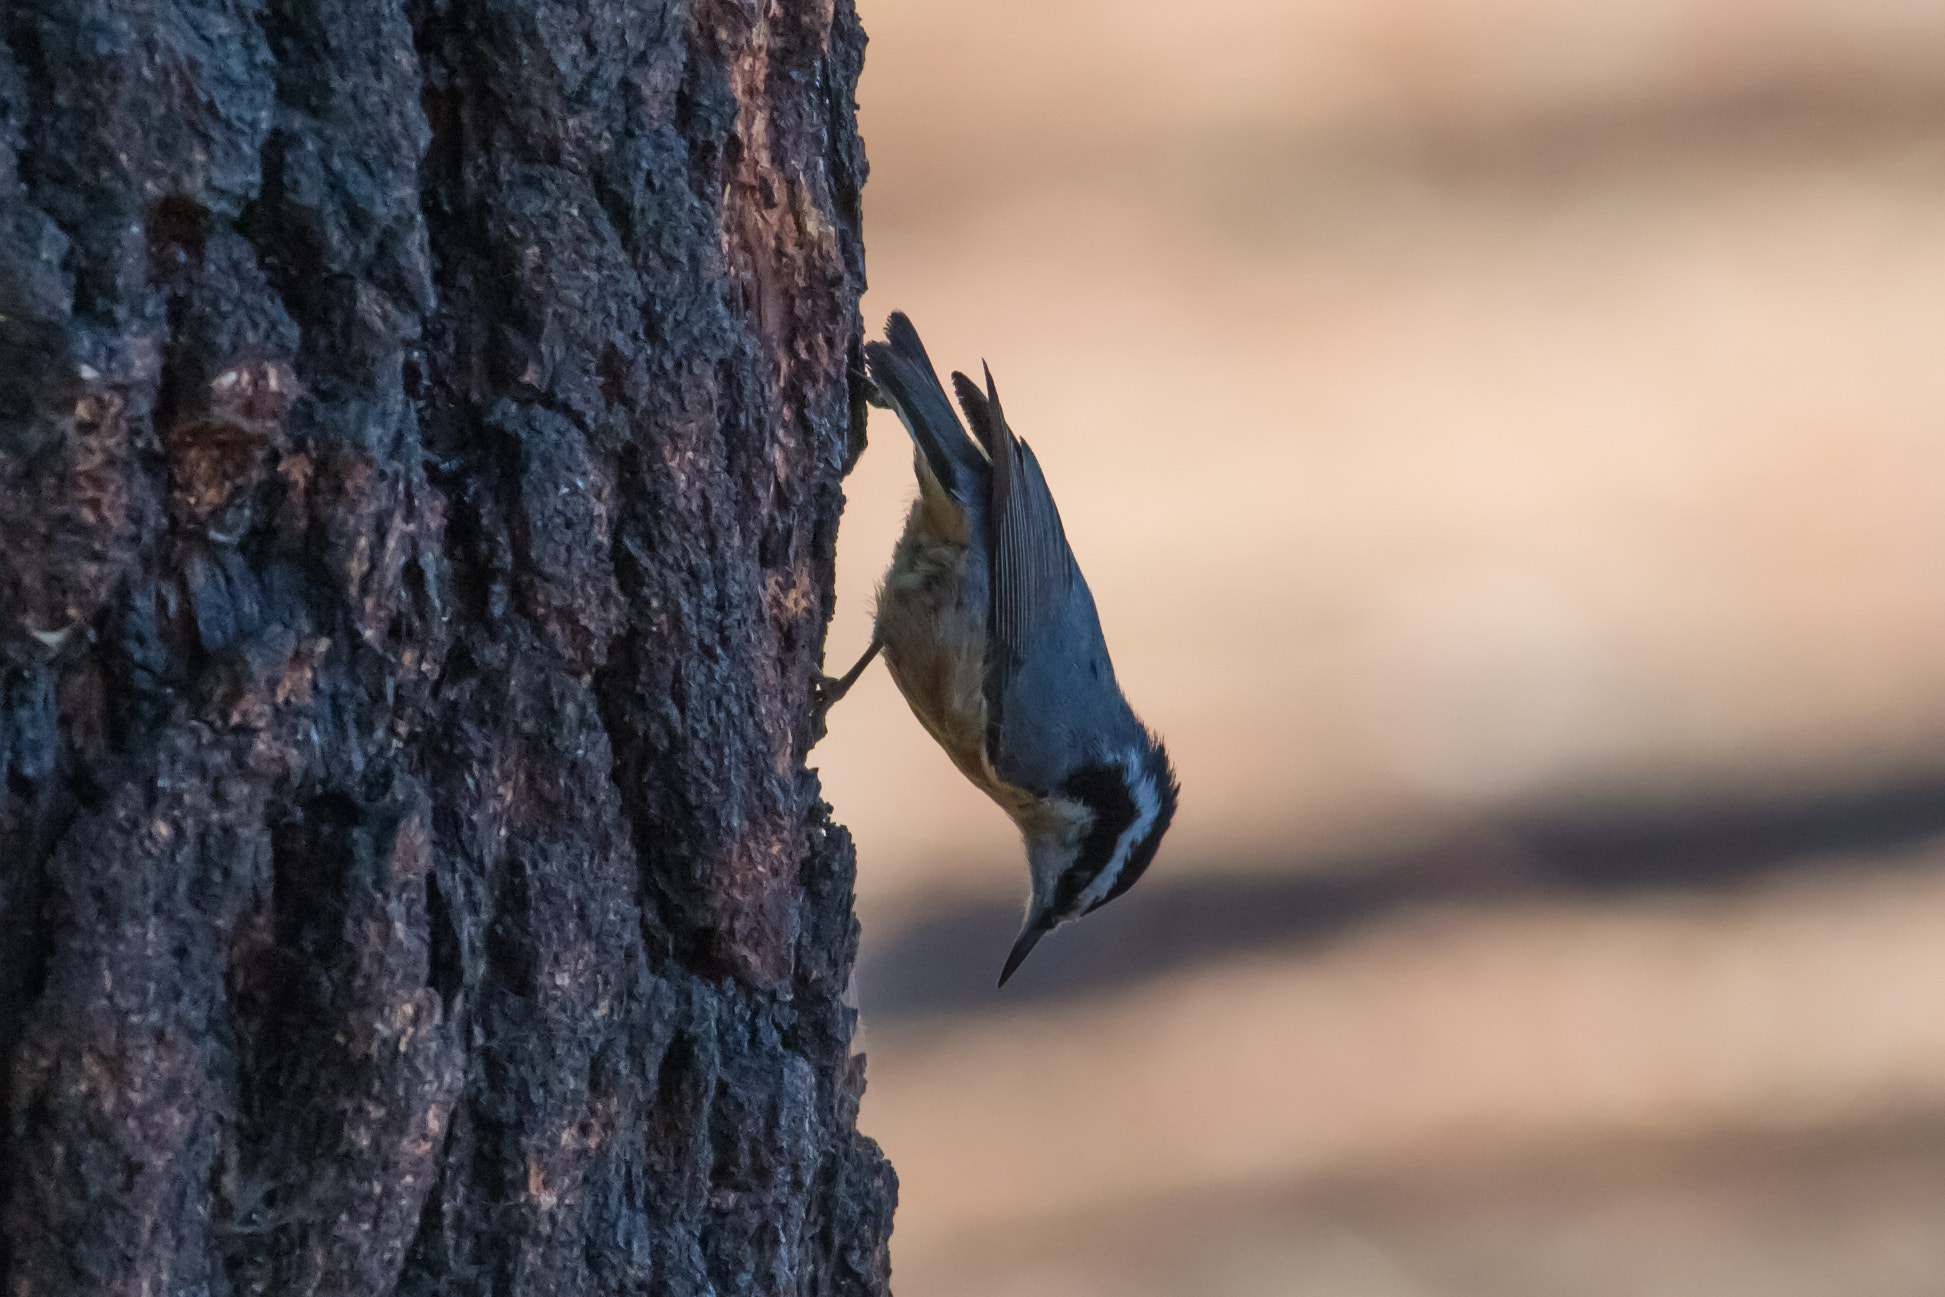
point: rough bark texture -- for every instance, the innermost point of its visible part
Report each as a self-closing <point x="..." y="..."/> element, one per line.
<point x="421" y="425"/>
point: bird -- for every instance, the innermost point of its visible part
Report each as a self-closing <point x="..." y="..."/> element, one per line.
<point x="990" y="632"/>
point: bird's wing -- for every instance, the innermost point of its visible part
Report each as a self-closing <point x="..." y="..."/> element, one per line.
<point x="904" y="373"/>
<point x="1032" y="567"/>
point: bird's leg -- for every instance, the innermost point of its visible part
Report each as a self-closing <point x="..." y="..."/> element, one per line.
<point x="829" y="691"/>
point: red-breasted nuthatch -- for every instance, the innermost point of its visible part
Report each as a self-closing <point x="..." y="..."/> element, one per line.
<point x="990" y="632"/>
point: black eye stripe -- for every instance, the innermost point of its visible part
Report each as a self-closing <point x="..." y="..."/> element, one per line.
<point x="1161" y="777"/>
<point x="1104" y="790"/>
<point x="1138" y="859"/>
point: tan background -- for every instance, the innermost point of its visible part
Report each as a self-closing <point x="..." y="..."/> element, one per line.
<point x="1469" y="414"/>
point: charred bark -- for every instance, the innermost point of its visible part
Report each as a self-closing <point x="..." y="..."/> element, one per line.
<point x="421" y="427"/>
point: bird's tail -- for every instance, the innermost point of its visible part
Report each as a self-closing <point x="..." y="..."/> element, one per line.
<point x="904" y="373"/>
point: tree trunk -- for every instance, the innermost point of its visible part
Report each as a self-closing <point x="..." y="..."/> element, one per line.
<point x="421" y="426"/>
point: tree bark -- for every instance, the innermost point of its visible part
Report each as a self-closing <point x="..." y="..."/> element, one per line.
<point x="421" y="429"/>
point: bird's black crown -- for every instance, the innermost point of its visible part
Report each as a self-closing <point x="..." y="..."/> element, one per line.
<point x="1133" y="803"/>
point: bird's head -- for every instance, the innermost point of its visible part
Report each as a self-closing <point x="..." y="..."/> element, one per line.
<point x="1092" y="838"/>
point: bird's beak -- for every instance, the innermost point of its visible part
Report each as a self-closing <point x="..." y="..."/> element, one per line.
<point x="1036" y="928"/>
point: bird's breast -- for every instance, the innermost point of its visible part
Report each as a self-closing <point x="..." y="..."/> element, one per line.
<point x="932" y="612"/>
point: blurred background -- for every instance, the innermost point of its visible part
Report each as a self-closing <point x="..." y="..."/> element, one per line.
<point x="1506" y="440"/>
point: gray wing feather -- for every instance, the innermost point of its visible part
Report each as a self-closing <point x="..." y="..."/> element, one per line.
<point x="1032" y="566"/>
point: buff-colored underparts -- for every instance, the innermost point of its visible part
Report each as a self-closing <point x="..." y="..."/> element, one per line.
<point x="935" y="638"/>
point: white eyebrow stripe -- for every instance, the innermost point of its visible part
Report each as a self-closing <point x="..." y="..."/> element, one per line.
<point x="1147" y="806"/>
